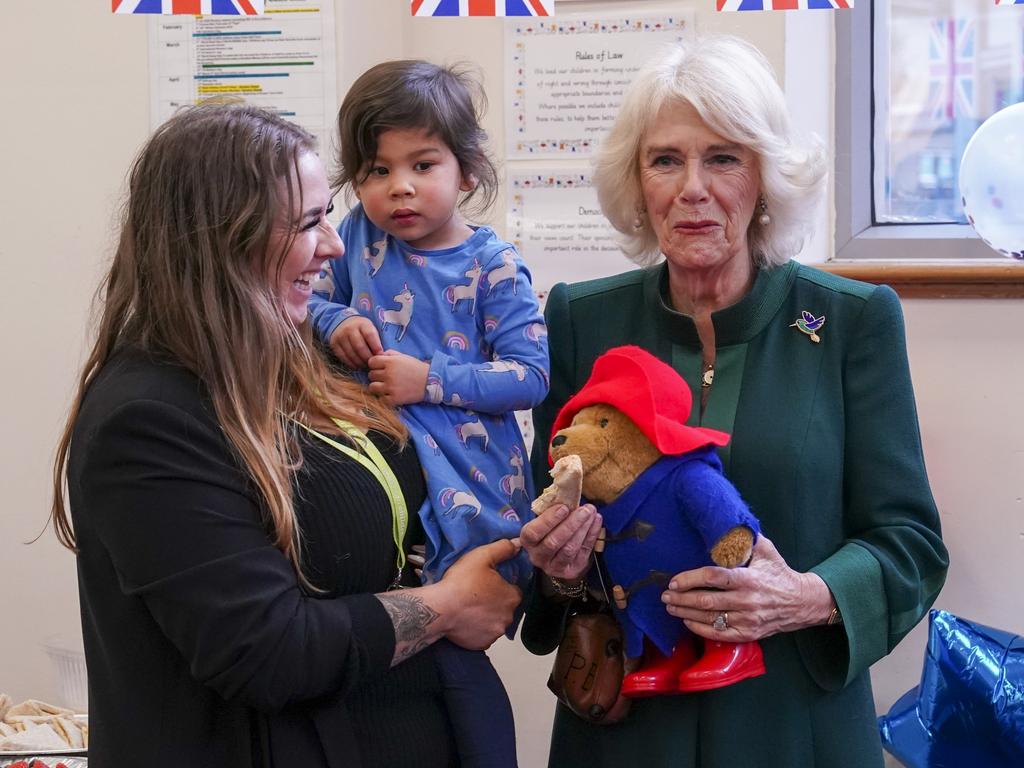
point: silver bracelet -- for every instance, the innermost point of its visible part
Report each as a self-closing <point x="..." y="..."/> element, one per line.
<point x="566" y="589"/>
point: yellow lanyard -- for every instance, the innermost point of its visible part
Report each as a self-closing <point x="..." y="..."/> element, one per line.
<point x="375" y="464"/>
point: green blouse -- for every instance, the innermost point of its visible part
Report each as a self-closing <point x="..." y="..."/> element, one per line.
<point x="826" y="451"/>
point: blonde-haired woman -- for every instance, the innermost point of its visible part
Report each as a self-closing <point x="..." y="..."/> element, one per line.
<point x="240" y="512"/>
<point x="712" y="190"/>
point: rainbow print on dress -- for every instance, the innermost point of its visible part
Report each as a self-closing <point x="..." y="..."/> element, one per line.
<point x="483" y="7"/>
<point x="191" y="7"/>
<point x="783" y="5"/>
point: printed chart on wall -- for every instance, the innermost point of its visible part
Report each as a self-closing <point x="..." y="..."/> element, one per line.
<point x="556" y="224"/>
<point x="283" y="61"/>
<point x="565" y="77"/>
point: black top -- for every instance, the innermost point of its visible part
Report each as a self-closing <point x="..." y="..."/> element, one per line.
<point x="201" y="647"/>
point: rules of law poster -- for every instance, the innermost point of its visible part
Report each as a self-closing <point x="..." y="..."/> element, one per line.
<point x="565" y="77"/>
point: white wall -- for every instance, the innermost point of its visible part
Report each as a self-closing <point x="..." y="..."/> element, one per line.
<point x="967" y="361"/>
<point x="75" y="108"/>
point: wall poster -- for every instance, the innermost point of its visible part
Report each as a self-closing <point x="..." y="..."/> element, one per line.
<point x="555" y="222"/>
<point x="283" y="61"/>
<point x="564" y="78"/>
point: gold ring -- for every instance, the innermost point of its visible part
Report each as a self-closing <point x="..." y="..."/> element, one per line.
<point x="721" y="622"/>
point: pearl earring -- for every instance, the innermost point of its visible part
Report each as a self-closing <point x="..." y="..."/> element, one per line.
<point x="764" y="219"/>
<point x="638" y="222"/>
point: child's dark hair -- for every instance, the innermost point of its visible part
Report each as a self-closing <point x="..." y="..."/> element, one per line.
<point x="445" y="101"/>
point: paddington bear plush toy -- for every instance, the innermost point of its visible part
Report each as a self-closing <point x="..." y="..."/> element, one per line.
<point x="667" y="508"/>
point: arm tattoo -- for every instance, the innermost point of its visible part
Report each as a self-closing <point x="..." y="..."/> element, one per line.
<point x="411" y="618"/>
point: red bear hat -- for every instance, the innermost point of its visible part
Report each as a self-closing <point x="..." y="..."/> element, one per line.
<point x="650" y="392"/>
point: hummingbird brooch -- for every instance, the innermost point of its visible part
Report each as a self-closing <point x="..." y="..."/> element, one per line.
<point x="809" y="324"/>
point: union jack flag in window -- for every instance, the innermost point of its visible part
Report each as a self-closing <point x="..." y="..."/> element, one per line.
<point x="483" y="7"/>
<point x="951" y="44"/>
<point x="191" y="7"/>
<point x="783" y="5"/>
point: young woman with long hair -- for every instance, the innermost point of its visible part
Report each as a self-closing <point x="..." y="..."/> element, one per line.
<point x="238" y="509"/>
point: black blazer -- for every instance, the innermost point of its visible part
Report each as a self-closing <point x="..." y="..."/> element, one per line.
<point x="201" y="647"/>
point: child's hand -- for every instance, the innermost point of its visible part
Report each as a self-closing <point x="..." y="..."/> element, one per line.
<point x="399" y="379"/>
<point x="355" y="341"/>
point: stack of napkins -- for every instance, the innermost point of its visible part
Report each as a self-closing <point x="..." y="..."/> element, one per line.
<point x="35" y="725"/>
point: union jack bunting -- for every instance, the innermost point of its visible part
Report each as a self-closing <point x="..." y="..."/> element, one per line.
<point x="483" y="7"/>
<point x="191" y="7"/>
<point x="783" y="5"/>
<point x="1009" y="2"/>
<point x="951" y="44"/>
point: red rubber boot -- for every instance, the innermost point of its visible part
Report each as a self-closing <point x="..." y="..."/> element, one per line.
<point x="659" y="674"/>
<point x="723" y="664"/>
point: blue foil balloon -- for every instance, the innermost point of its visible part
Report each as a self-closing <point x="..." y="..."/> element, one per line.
<point x="968" y="711"/>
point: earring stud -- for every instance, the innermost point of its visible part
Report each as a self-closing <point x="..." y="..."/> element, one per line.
<point x="638" y="221"/>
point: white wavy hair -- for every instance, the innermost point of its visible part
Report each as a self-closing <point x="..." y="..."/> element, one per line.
<point x="731" y="85"/>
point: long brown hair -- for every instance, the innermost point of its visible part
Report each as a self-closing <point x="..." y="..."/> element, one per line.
<point x="190" y="281"/>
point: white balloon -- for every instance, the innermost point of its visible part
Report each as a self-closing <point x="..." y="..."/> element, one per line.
<point x="992" y="181"/>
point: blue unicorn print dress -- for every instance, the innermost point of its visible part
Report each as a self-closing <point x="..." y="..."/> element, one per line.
<point x="472" y="313"/>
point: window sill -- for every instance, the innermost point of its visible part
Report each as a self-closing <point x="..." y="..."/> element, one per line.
<point x="931" y="280"/>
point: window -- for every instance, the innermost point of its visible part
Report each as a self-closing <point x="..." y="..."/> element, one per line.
<point x="914" y="80"/>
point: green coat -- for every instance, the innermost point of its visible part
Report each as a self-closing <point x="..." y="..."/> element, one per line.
<point x="826" y="451"/>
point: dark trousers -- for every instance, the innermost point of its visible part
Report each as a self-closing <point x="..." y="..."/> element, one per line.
<point x="478" y="707"/>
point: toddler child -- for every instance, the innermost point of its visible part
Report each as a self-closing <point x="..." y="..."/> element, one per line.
<point x="443" y="317"/>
